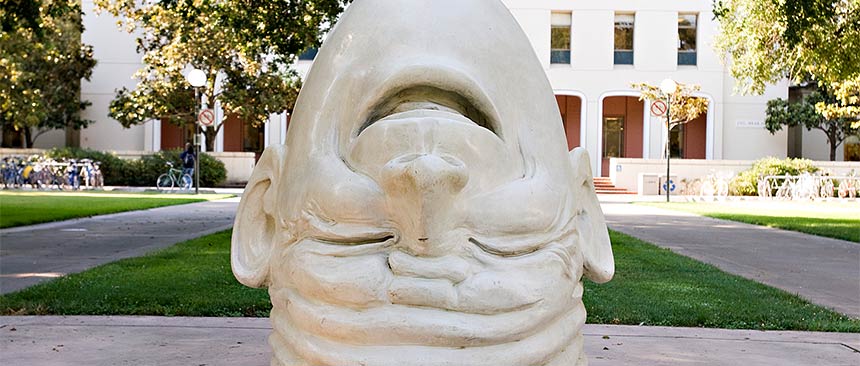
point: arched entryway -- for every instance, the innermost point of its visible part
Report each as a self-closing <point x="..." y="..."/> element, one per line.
<point x="622" y="129"/>
<point x="571" y="110"/>
<point x="689" y="140"/>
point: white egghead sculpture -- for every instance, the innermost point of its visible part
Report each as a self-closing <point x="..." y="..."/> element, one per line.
<point x="424" y="210"/>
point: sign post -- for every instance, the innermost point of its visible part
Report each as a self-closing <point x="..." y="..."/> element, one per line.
<point x="205" y="118"/>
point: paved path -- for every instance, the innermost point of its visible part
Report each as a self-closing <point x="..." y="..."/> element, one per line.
<point x="825" y="271"/>
<point x="54" y="341"/>
<point x="32" y="254"/>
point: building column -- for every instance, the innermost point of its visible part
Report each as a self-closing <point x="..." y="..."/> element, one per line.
<point x="219" y="120"/>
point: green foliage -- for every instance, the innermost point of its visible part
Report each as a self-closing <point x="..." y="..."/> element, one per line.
<point x="144" y="171"/>
<point x="30" y="14"/>
<point x="798" y="39"/>
<point x="245" y="48"/>
<point x="746" y="183"/>
<point x="190" y="279"/>
<point x="27" y="208"/>
<point x="42" y="62"/>
<point x="212" y="171"/>
<point x="806" y="113"/>
<point x="652" y="286"/>
<point x="847" y="103"/>
<point x="828" y="219"/>
<point x="684" y="106"/>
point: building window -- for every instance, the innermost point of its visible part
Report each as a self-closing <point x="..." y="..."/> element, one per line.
<point x="560" y="38"/>
<point x="687" y="39"/>
<point x="309" y="54"/>
<point x="624" y="39"/>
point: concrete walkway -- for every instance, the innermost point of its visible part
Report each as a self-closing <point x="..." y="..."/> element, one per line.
<point x="825" y="271"/>
<point x="54" y="341"/>
<point x="32" y="254"/>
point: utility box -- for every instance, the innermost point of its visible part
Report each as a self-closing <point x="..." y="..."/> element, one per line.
<point x="648" y="184"/>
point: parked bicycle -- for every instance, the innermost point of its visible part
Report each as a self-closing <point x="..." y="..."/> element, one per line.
<point x="91" y="175"/>
<point x="174" y="178"/>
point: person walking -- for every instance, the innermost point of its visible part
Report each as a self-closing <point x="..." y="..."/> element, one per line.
<point x="188" y="157"/>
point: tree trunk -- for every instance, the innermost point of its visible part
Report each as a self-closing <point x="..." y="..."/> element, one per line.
<point x="211" y="134"/>
<point x="831" y="138"/>
<point x="28" y="138"/>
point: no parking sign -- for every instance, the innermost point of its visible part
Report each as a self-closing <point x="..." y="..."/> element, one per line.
<point x="658" y="108"/>
<point x="206" y="117"/>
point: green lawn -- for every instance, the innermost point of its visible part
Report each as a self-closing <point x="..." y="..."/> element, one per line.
<point x="25" y="208"/>
<point x="834" y="220"/>
<point x="653" y="286"/>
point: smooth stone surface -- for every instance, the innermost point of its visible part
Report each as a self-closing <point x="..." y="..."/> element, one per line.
<point x="425" y="210"/>
<point x="111" y="341"/>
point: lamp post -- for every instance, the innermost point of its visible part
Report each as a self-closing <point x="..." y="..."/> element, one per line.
<point x="668" y="87"/>
<point x="197" y="78"/>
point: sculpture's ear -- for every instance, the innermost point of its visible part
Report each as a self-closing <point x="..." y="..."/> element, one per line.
<point x="590" y="223"/>
<point x="254" y="230"/>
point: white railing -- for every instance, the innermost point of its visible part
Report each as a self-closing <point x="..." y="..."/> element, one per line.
<point x="808" y="186"/>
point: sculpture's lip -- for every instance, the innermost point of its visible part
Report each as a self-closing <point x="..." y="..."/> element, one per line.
<point x="430" y="87"/>
<point x="425" y="113"/>
<point x="443" y="105"/>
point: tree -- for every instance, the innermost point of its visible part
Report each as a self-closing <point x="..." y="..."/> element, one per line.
<point x="41" y="67"/>
<point x="802" y="40"/>
<point x="847" y="105"/>
<point x="684" y="106"/>
<point x="804" y="113"/>
<point x="245" y="48"/>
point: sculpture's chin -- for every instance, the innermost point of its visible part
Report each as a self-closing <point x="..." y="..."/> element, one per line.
<point x="322" y="334"/>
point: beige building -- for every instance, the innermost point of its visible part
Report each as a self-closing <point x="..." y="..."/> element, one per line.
<point x="592" y="50"/>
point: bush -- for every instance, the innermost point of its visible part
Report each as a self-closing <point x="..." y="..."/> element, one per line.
<point x="114" y="169"/>
<point x="212" y="171"/>
<point x="746" y="183"/>
<point x="143" y="172"/>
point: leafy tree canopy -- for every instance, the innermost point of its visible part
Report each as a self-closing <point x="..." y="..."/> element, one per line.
<point x="33" y="14"/>
<point x="846" y="105"/>
<point x="801" y="40"/>
<point x="42" y="62"/>
<point x="246" y="48"/>
<point x="781" y="113"/>
<point x="684" y="106"/>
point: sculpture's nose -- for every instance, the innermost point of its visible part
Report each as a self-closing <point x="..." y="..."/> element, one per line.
<point x="422" y="189"/>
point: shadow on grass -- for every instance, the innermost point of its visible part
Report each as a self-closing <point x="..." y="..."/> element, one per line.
<point x="844" y="229"/>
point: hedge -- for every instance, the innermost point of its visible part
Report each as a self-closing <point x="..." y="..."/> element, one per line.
<point x="144" y="171"/>
<point x="746" y="183"/>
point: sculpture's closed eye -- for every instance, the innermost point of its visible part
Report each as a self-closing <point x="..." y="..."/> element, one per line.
<point x="512" y="251"/>
<point x="376" y="239"/>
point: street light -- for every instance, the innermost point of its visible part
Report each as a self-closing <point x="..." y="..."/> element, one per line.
<point x="197" y="78"/>
<point x="668" y="87"/>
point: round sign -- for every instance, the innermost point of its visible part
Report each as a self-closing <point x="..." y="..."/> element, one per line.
<point x="206" y="117"/>
<point x="658" y="108"/>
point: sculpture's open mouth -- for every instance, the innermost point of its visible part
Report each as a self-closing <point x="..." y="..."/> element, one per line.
<point x="417" y="100"/>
